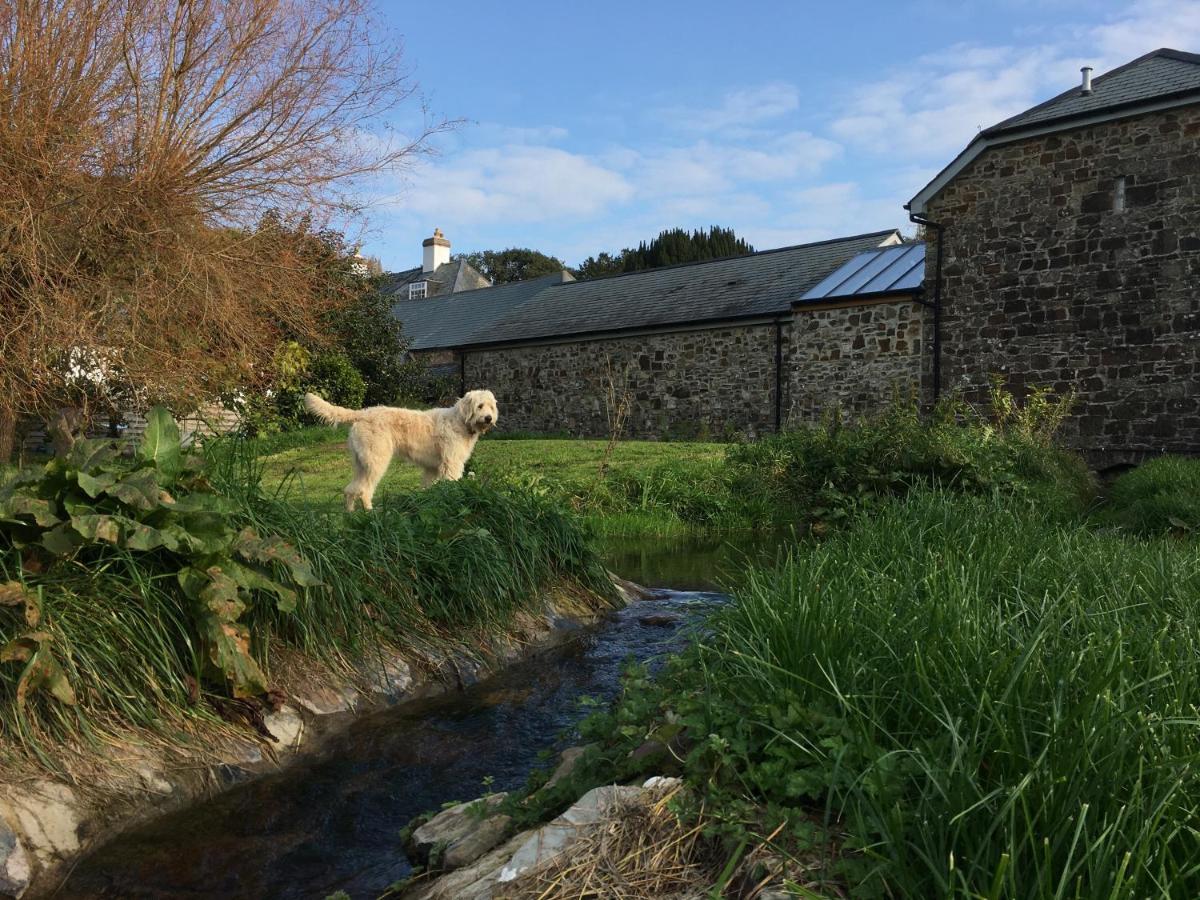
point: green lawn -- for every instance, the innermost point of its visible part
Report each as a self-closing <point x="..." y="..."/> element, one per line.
<point x="317" y="466"/>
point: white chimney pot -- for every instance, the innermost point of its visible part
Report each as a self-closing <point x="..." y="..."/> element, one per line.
<point x="436" y="251"/>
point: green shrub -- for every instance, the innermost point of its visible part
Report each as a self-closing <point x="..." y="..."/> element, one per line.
<point x="1158" y="497"/>
<point x="334" y="377"/>
<point x="978" y="700"/>
<point x="156" y="511"/>
<point x="827" y="472"/>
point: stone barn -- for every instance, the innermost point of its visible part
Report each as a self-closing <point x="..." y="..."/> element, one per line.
<point x="1063" y="250"/>
<point x="736" y="346"/>
<point x="1070" y="257"/>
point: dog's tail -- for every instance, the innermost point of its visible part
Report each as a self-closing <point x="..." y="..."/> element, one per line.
<point x="328" y="413"/>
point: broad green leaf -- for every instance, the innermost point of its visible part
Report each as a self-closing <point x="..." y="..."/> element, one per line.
<point x="209" y="503"/>
<point x="62" y="540"/>
<point x="222" y="595"/>
<point x="160" y="444"/>
<point x="276" y="550"/>
<point x="97" y="527"/>
<point x="228" y="654"/>
<point x="139" y="490"/>
<point x="254" y="579"/>
<point x="139" y="536"/>
<point x="94" y="486"/>
<point x="226" y="641"/>
<point x="91" y="455"/>
<point x="41" y="668"/>
<point x="42" y="511"/>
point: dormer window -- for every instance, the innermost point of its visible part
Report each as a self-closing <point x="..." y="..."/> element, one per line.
<point x="418" y="290"/>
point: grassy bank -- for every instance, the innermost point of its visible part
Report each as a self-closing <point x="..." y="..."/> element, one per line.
<point x="638" y="491"/>
<point x="968" y="696"/>
<point x="136" y="591"/>
<point x="814" y="477"/>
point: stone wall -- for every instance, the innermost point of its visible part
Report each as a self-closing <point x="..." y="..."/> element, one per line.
<point x="1048" y="283"/>
<point x="715" y="383"/>
<point x="855" y="358"/>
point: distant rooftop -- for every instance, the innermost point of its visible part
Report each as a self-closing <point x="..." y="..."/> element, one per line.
<point x="740" y="287"/>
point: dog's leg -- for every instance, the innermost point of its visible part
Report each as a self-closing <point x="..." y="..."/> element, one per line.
<point x="428" y="477"/>
<point x="353" y="490"/>
<point x="373" y="472"/>
<point x="451" y="469"/>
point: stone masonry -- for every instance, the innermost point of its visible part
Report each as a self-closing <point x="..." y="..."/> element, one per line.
<point x="1048" y="281"/>
<point x="716" y="382"/>
<point x="713" y="383"/>
<point x="855" y="358"/>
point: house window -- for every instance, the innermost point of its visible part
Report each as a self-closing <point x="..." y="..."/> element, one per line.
<point x="417" y="291"/>
<point x="1119" y="194"/>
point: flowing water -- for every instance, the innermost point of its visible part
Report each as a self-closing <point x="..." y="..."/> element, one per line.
<point x="331" y="822"/>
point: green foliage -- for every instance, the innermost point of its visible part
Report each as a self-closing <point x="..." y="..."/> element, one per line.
<point x="159" y="510"/>
<point x="373" y="341"/>
<point x="978" y="698"/>
<point x="1158" y="497"/>
<point x="671" y="247"/>
<point x="513" y="264"/>
<point x="128" y="584"/>
<point x="335" y="378"/>
<point x="826" y="473"/>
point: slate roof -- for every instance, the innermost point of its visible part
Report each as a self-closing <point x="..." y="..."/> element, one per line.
<point x="449" y="278"/>
<point x="740" y="287"/>
<point x="892" y="270"/>
<point x="1160" y="79"/>
<point x="450" y="320"/>
<point x="1161" y="73"/>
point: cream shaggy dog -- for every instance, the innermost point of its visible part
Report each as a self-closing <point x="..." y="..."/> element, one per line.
<point x="439" y="441"/>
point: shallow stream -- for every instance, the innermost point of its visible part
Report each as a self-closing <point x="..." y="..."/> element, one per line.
<point x="331" y="822"/>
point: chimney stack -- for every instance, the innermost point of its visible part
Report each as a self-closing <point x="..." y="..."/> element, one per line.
<point x="1087" y="80"/>
<point x="437" y="251"/>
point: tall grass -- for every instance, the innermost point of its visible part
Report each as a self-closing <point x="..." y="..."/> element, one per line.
<point x="1158" y="497"/>
<point x="982" y="698"/>
<point x="443" y="568"/>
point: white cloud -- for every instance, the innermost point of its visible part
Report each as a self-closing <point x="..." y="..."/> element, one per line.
<point x="706" y="166"/>
<point x="931" y="110"/>
<point x="514" y="182"/>
<point x="736" y="109"/>
<point x="1143" y="27"/>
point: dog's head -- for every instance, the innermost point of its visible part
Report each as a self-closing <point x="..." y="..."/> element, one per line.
<point x="478" y="410"/>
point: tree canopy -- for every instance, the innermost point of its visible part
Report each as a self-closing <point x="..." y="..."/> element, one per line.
<point x="143" y="141"/>
<point x="513" y="264"/>
<point x="670" y="248"/>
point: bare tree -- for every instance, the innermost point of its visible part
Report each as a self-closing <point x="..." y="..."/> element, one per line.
<point x="142" y="142"/>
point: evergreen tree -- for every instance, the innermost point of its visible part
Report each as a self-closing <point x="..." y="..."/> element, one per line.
<point x="671" y="247"/>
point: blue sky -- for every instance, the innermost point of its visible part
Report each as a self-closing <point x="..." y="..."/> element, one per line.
<point x="592" y="126"/>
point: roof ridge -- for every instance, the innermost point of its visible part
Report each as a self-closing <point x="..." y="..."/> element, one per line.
<point x="1161" y="52"/>
<point x="717" y="259"/>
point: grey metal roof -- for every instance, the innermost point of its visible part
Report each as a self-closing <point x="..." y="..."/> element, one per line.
<point x="450" y="320"/>
<point x="758" y="284"/>
<point x="1161" y="73"/>
<point x="1162" y="79"/>
<point x="892" y="270"/>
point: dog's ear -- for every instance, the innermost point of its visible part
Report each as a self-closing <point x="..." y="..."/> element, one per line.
<point x="463" y="405"/>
